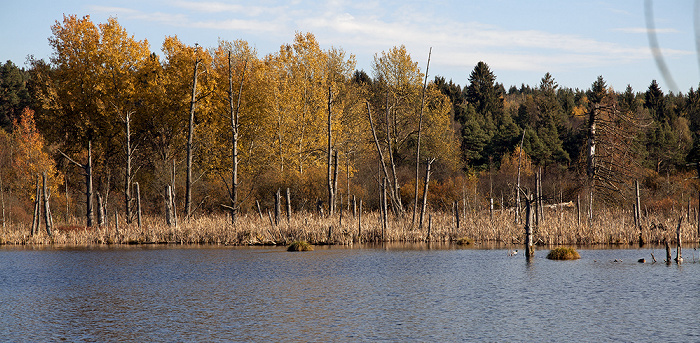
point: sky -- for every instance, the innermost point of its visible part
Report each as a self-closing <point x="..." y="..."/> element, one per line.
<point x="575" y="41"/>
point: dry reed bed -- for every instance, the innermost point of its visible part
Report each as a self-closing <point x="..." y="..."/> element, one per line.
<point x="557" y="228"/>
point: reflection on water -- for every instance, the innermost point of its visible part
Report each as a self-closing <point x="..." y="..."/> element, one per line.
<point x="369" y="293"/>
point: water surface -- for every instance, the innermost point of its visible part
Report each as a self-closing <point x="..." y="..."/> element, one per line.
<point x="369" y="293"/>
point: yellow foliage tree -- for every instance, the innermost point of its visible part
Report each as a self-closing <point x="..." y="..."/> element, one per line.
<point x="29" y="157"/>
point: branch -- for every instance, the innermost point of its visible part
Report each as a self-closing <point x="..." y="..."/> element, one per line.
<point x="71" y="160"/>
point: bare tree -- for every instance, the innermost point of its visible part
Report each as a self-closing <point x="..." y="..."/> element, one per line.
<point x="190" y="135"/>
<point x="87" y="172"/>
<point x="234" y="113"/>
<point x="420" y="127"/>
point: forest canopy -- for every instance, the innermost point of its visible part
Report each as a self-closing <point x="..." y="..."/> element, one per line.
<point x="304" y="115"/>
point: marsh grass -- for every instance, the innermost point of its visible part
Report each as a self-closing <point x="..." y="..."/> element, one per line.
<point x="563" y="253"/>
<point x="557" y="228"/>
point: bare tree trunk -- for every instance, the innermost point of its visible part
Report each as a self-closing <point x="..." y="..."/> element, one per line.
<point x="88" y="190"/>
<point x="168" y="206"/>
<point x="397" y="205"/>
<point x="540" y="199"/>
<point x="456" y="209"/>
<point x="429" y="162"/>
<point x="354" y="207"/>
<point x="384" y="214"/>
<point x="537" y="199"/>
<point x="234" y="135"/>
<point x="517" y="190"/>
<point x="257" y="203"/>
<point x="48" y="218"/>
<point x="289" y="206"/>
<point x="638" y="203"/>
<point x="529" y="246"/>
<point x="173" y="203"/>
<point x="335" y="181"/>
<point x="347" y="178"/>
<point x="591" y="159"/>
<point x="679" y="256"/>
<point x="359" y="223"/>
<point x="2" y="200"/>
<point x="138" y="203"/>
<point x="65" y="182"/>
<point x="190" y="135"/>
<point x="100" y="211"/>
<point x="127" y="177"/>
<point x="277" y="207"/>
<point x="36" y="221"/>
<point x="381" y="155"/>
<point x="578" y="209"/>
<point x="420" y="127"/>
<point x="331" y="195"/>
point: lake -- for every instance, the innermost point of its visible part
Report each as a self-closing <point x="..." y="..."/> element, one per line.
<point x="394" y="293"/>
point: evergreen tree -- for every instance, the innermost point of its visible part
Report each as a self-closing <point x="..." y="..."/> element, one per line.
<point x="14" y="96"/>
<point x="654" y="101"/>
<point x="483" y="93"/>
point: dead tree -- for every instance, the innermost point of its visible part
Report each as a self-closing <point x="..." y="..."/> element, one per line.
<point x="169" y="206"/>
<point x="420" y="127"/>
<point x="138" y="204"/>
<point x="234" y="114"/>
<point x="517" y="185"/>
<point x="611" y="155"/>
<point x="331" y="189"/>
<point x="394" y="200"/>
<point x="398" y="205"/>
<point x="426" y="182"/>
<point x="529" y="245"/>
<point x="100" y="210"/>
<point x="128" y="177"/>
<point x="2" y="201"/>
<point x="190" y="135"/>
<point x="87" y="172"/>
<point x="36" y="222"/>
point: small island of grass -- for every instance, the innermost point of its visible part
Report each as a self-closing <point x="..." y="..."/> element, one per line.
<point x="300" y="246"/>
<point x="563" y="253"/>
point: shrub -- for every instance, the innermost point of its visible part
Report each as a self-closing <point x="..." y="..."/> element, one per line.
<point x="300" y="246"/>
<point x="563" y="253"/>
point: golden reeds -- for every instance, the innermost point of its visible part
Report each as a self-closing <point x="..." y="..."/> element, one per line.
<point x="559" y="227"/>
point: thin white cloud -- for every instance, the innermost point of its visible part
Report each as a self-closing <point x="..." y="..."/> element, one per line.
<point x="112" y="9"/>
<point x="221" y="7"/>
<point x="645" y="30"/>
<point x="240" y="25"/>
<point x="366" y="27"/>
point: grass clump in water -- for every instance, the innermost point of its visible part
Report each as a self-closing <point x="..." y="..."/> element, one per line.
<point x="300" y="246"/>
<point x="464" y="241"/>
<point x="563" y="253"/>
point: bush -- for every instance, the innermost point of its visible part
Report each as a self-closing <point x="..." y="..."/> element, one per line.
<point x="300" y="246"/>
<point x="563" y="253"/>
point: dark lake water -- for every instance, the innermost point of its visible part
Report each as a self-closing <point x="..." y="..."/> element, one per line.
<point x="370" y="293"/>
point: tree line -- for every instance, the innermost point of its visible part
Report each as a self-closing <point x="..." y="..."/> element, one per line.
<point x="207" y="130"/>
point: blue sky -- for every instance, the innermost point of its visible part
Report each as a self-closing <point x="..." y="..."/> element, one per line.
<point x="520" y="40"/>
